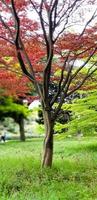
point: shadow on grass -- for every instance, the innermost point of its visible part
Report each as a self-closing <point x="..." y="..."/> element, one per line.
<point x="91" y="147"/>
<point x="81" y="149"/>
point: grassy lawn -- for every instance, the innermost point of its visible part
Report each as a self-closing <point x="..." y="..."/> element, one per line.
<point x="73" y="175"/>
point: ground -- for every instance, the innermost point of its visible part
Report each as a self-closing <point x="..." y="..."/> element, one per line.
<point x="73" y="175"/>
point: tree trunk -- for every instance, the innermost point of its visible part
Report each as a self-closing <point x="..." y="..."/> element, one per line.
<point x="48" y="141"/>
<point x="21" y="127"/>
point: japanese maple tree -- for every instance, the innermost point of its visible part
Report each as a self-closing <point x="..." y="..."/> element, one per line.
<point x="46" y="44"/>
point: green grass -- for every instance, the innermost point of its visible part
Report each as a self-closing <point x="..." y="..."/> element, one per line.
<point x="73" y="175"/>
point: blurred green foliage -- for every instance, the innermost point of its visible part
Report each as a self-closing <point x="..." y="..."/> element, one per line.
<point x="8" y="108"/>
<point x="84" y="115"/>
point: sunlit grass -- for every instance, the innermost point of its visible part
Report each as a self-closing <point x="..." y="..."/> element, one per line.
<point x="73" y="175"/>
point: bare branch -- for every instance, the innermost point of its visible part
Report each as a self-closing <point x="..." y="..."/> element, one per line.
<point x="69" y="80"/>
<point x="17" y="25"/>
<point x="65" y="17"/>
<point x="84" y="64"/>
<point x="6" y="27"/>
<point x="83" y="81"/>
<point x="11" y="42"/>
<point x="6" y="4"/>
<point x="60" y="82"/>
<point x="20" y="47"/>
<point x="88" y="22"/>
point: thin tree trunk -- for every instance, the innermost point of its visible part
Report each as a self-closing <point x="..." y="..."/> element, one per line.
<point x="21" y="127"/>
<point x="48" y="141"/>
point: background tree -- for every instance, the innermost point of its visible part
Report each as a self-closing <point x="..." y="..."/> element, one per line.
<point x="8" y="108"/>
<point x="13" y="89"/>
<point x="52" y="32"/>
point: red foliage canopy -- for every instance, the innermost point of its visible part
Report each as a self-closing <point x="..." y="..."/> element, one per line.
<point x="12" y="85"/>
<point x="44" y="44"/>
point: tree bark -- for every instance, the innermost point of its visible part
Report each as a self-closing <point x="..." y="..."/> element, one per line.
<point x="48" y="141"/>
<point x="21" y="127"/>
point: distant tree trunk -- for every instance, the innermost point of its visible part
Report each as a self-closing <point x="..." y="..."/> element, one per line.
<point x="48" y="141"/>
<point x="21" y="127"/>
